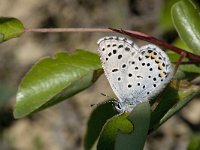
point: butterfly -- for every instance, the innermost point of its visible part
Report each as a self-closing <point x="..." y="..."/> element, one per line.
<point x="135" y="74"/>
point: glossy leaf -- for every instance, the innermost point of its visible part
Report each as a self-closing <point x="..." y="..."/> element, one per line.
<point x="97" y="119"/>
<point x="185" y="15"/>
<point x="185" y="98"/>
<point x="52" y="80"/>
<point x="188" y="68"/>
<point x="10" y="28"/>
<point x="180" y="43"/>
<point x="165" y="15"/>
<point x="140" y="118"/>
<point x="108" y="135"/>
<point x="126" y="131"/>
<point x="169" y="98"/>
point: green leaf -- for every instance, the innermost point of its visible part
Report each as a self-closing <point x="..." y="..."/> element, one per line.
<point x="140" y="118"/>
<point x="187" y="71"/>
<point x="185" y="98"/>
<point x="97" y="119"/>
<point x="52" y="80"/>
<point x="118" y="132"/>
<point x="169" y="98"/>
<point x="110" y="129"/>
<point x="165" y="16"/>
<point x="10" y="28"/>
<point x="194" y="143"/>
<point x="185" y="15"/>
<point x="187" y="68"/>
<point x="180" y="43"/>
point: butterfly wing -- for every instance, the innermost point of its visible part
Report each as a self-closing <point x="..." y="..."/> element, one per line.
<point x="135" y="74"/>
<point x="115" y="54"/>
<point x="150" y="73"/>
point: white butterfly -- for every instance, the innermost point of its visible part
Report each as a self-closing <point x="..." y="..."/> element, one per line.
<point x="135" y="74"/>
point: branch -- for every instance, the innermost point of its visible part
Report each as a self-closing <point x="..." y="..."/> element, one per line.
<point x="139" y="35"/>
<point x="45" y="30"/>
<point x="158" y="42"/>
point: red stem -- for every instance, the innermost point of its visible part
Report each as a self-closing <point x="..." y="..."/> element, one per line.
<point x="139" y="35"/>
<point x="55" y="30"/>
<point x="158" y="42"/>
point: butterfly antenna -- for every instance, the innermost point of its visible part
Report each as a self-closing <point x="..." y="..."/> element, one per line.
<point x="107" y="96"/>
<point x="114" y="101"/>
<point x="92" y="105"/>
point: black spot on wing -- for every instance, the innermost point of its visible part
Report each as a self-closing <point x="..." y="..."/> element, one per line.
<point x="114" y="70"/>
<point x="127" y="49"/>
<point x="129" y="85"/>
<point x="124" y="65"/>
<point x="108" y="45"/>
<point x="119" y="56"/>
<point x="120" y="46"/>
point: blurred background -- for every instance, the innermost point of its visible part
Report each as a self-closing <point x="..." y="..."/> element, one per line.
<point x="62" y="127"/>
